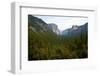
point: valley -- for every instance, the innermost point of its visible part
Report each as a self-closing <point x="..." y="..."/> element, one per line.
<point x="46" y="42"/>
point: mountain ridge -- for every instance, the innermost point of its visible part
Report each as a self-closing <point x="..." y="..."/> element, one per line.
<point x="76" y="30"/>
<point x="39" y="25"/>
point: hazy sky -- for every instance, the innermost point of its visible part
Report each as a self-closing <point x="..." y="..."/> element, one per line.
<point x="64" y="22"/>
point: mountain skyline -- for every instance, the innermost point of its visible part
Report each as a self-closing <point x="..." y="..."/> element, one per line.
<point x="64" y="22"/>
<point x="53" y="26"/>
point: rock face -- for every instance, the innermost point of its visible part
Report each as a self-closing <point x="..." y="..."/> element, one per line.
<point x="76" y="30"/>
<point x="38" y="25"/>
<point x="54" y="28"/>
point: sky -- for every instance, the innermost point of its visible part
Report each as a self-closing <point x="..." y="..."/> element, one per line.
<point x="64" y="22"/>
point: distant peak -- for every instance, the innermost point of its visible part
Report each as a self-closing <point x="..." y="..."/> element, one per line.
<point x="74" y="27"/>
<point x="54" y="28"/>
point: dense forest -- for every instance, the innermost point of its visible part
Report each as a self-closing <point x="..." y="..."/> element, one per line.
<point x="44" y="44"/>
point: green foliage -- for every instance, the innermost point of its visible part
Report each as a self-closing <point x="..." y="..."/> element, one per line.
<point x="46" y="46"/>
